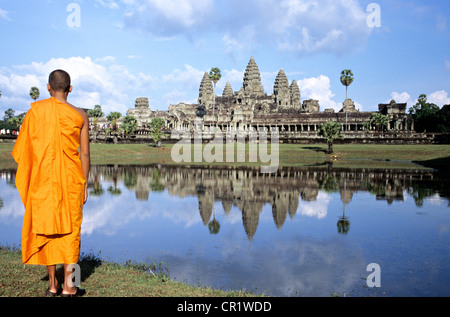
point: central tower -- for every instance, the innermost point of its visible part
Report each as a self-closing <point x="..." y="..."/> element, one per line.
<point x="252" y="80"/>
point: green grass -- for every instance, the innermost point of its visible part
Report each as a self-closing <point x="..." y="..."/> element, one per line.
<point x="100" y="279"/>
<point x="349" y="156"/>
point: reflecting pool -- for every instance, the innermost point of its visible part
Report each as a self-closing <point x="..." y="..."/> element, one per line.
<point x="300" y="232"/>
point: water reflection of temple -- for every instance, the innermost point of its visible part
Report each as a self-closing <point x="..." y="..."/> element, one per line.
<point x="249" y="190"/>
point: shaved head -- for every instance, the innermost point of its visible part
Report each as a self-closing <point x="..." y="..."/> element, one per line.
<point x="59" y="80"/>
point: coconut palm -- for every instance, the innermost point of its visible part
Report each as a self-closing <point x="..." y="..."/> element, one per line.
<point x="114" y="129"/>
<point x="16" y="121"/>
<point x="330" y="131"/>
<point x="95" y="113"/>
<point x="34" y="93"/>
<point x="129" y="125"/>
<point x="343" y="224"/>
<point x="156" y="126"/>
<point x="346" y="80"/>
<point x="379" y="121"/>
<point x="215" y="76"/>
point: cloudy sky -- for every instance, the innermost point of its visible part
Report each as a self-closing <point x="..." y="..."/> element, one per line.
<point x="119" y="50"/>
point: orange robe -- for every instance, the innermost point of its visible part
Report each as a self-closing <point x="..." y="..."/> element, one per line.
<point x="50" y="181"/>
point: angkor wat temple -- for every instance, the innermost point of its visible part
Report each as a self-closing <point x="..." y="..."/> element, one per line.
<point x="251" y="109"/>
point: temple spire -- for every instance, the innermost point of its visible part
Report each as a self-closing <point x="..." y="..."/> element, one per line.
<point x="252" y="79"/>
<point x="205" y="96"/>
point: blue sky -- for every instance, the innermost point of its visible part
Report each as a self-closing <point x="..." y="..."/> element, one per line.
<point x="119" y="50"/>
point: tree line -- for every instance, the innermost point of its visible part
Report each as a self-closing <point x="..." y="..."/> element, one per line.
<point x="428" y="117"/>
<point x="129" y="125"/>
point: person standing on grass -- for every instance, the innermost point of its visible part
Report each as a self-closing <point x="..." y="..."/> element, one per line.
<point x="53" y="156"/>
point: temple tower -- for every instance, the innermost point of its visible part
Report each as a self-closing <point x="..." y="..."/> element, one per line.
<point x="281" y="91"/>
<point x="205" y="96"/>
<point x="228" y="91"/>
<point x="295" y="95"/>
<point x="252" y="80"/>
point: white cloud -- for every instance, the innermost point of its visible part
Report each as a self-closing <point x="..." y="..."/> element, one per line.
<point x="189" y="76"/>
<point x="112" y="86"/>
<point x="233" y="47"/>
<point x="319" y="88"/>
<point x="403" y="97"/>
<point x="111" y="4"/>
<point x="439" y="98"/>
<point x="303" y="27"/>
<point x="447" y="65"/>
<point x="168" y="17"/>
<point x="4" y="15"/>
<point x="317" y="208"/>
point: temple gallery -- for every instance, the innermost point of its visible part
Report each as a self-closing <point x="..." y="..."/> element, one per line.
<point x="252" y="109"/>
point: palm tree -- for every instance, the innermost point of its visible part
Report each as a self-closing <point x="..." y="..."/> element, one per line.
<point x="379" y="120"/>
<point x="330" y="131"/>
<point x="16" y="121"/>
<point x="129" y="125"/>
<point x="343" y="224"/>
<point x="215" y="76"/>
<point x="95" y="113"/>
<point x="34" y="93"/>
<point x="113" y="190"/>
<point x="156" y="130"/>
<point x="113" y="117"/>
<point x="346" y="80"/>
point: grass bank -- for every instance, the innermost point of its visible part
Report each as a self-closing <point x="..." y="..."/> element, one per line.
<point x="293" y="155"/>
<point x="100" y="279"/>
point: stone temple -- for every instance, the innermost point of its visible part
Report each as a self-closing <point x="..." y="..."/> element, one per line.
<point x="251" y="109"/>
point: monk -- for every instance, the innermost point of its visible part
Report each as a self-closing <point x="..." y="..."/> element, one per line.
<point x="53" y="156"/>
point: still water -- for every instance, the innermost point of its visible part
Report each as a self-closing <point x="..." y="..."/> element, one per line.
<point x="300" y="232"/>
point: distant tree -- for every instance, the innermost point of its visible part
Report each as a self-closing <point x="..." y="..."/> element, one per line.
<point x="10" y="121"/>
<point x="214" y="226"/>
<point x="443" y="122"/>
<point x="8" y="114"/>
<point x="201" y="111"/>
<point x="379" y="121"/>
<point x="346" y="80"/>
<point x="156" y="126"/>
<point x="112" y="118"/>
<point x="129" y="125"/>
<point x="34" y="93"/>
<point x="366" y="126"/>
<point x="113" y="128"/>
<point x="424" y="115"/>
<point x="16" y="122"/>
<point x="331" y="131"/>
<point x="95" y="113"/>
<point x="343" y="225"/>
<point x="215" y="76"/>
<point x="155" y="184"/>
